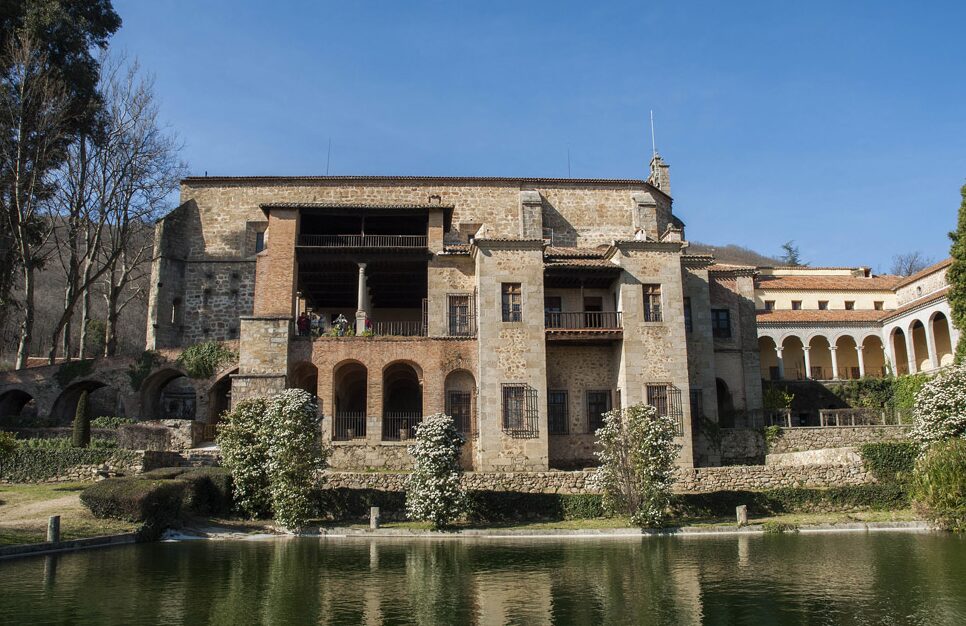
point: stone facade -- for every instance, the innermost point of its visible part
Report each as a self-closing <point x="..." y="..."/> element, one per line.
<point x="746" y="445"/>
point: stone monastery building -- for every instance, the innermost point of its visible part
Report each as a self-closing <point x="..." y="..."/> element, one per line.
<point x="523" y="307"/>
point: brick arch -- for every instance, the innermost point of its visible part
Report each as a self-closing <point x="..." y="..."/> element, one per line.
<point x="413" y="364"/>
<point x="152" y="387"/>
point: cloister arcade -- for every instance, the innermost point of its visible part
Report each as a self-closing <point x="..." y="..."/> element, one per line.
<point x="913" y="344"/>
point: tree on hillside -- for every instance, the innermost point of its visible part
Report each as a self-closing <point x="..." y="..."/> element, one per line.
<point x="909" y="263"/>
<point x="956" y="277"/>
<point x="791" y="255"/>
<point x="62" y="34"/>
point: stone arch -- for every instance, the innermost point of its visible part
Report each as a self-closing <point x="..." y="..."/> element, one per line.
<point x="820" y="357"/>
<point x="897" y="339"/>
<point x="793" y="356"/>
<point x="219" y="396"/>
<point x="874" y="356"/>
<point x="768" y="358"/>
<point x="17" y="403"/>
<point x="168" y="394"/>
<point x="847" y="357"/>
<point x="920" y="345"/>
<point x="460" y="399"/>
<point x="402" y="399"/>
<point x="65" y="406"/>
<point x="942" y="338"/>
<point x="350" y="386"/>
<point x="305" y="375"/>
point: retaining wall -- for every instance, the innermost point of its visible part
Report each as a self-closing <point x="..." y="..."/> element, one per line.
<point x="742" y="446"/>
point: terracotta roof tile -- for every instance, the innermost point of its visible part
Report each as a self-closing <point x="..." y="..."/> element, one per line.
<point x="582" y="263"/>
<point x="829" y="283"/>
<point x="805" y="316"/>
<point x="575" y="253"/>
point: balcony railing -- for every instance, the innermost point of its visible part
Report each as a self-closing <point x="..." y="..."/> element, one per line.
<point x="347" y="426"/>
<point x="399" y="329"/>
<point x="860" y="417"/>
<point x="583" y="320"/>
<point x="363" y="241"/>
<point x="400" y="426"/>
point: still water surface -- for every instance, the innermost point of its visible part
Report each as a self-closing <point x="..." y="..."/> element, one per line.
<point x="834" y="578"/>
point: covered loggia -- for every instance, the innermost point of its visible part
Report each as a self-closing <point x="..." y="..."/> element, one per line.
<point x="901" y="355"/>
<point x="874" y="357"/>
<point x="768" y="359"/>
<point x="920" y="346"/>
<point x="939" y="324"/>
<point x="349" y="401"/>
<point x="402" y="400"/>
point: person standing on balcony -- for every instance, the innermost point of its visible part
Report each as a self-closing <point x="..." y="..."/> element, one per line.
<point x="303" y="324"/>
<point x="315" y="325"/>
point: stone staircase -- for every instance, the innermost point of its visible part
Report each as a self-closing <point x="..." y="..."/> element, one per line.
<point x="202" y="457"/>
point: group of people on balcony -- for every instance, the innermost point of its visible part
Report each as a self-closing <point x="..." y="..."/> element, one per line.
<point x="310" y="324"/>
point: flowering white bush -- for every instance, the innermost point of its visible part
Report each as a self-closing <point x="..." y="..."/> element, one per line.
<point x="940" y="409"/>
<point x="637" y="455"/>
<point x="434" y="491"/>
<point x="273" y="449"/>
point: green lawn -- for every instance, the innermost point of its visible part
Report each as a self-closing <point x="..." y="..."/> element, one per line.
<point x="24" y="509"/>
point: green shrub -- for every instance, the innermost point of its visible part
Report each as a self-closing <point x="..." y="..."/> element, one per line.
<point x="110" y="421"/>
<point x="69" y="370"/>
<point x="353" y="504"/>
<point x="202" y="360"/>
<point x="906" y="388"/>
<point x="26" y="465"/>
<point x="773" y="527"/>
<point x="208" y="490"/>
<point x="63" y="443"/>
<point x="82" y="423"/>
<point x="434" y="491"/>
<point x="165" y="473"/>
<point x="874" y="497"/>
<point x="939" y="484"/>
<point x="774" y="397"/>
<point x="890" y="460"/>
<point x="139" y="370"/>
<point x="8" y="443"/>
<point x="872" y="393"/>
<point x="505" y="506"/>
<point x="154" y="503"/>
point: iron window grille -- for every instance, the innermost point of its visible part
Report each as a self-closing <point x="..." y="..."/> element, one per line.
<point x="520" y="414"/>
<point x="598" y="403"/>
<point x="666" y="398"/>
<point x="460" y="315"/>
<point x="512" y="302"/>
<point x="721" y="323"/>
<point x="557" y="416"/>
<point x="652" y="303"/>
<point x="459" y="407"/>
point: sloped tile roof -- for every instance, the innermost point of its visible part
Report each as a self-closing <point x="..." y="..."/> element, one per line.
<point x="935" y="267"/>
<point x="828" y="283"/>
<point x="830" y="316"/>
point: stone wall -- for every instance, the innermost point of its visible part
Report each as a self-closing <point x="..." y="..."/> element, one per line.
<point x="747" y="445"/>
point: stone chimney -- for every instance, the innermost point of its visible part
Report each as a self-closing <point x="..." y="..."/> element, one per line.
<point x="660" y="177"/>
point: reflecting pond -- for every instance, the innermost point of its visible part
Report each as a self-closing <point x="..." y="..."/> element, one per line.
<point x="828" y="578"/>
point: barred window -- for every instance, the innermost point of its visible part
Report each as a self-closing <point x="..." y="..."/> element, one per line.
<point x="458" y="406"/>
<point x="511" y="299"/>
<point x="460" y="321"/>
<point x="721" y="323"/>
<point x="652" y="303"/>
<point x="557" y="412"/>
<point x="520" y="410"/>
<point x="598" y="403"/>
<point x="688" y="324"/>
<point x="666" y="398"/>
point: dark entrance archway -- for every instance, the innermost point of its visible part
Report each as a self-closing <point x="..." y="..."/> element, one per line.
<point x="168" y="394"/>
<point x="726" y="404"/>
<point x="402" y="401"/>
<point x="16" y="405"/>
<point x="349" y="406"/>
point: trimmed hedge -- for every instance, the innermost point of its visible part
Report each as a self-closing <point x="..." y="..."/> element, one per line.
<point x="155" y="503"/>
<point x="208" y="490"/>
<point x="875" y="497"/>
<point x="890" y="460"/>
<point x="502" y="506"/>
<point x="27" y="465"/>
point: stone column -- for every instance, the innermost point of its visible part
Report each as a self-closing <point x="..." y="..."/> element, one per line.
<point x="835" y="362"/>
<point x="808" y="362"/>
<point x="858" y="352"/>
<point x="361" y="308"/>
<point x="931" y="345"/>
<point x="911" y="352"/>
<point x="781" y="363"/>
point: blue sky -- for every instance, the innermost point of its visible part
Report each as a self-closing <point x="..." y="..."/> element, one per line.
<point x="841" y="125"/>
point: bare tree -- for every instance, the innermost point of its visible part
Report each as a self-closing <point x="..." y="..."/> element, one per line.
<point x="909" y="263"/>
<point x="34" y="132"/>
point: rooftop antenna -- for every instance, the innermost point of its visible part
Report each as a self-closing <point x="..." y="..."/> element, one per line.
<point x="653" y="142"/>
<point x="328" y="156"/>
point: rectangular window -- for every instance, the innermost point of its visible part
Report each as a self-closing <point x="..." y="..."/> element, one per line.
<point x="598" y="403"/>
<point x="688" y="324"/>
<point x="796" y="305"/>
<point x="721" y="323"/>
<point x="520" y="410"/>
<point x="878" y="304"/>
<point x="593" y="316"/>
<point x="823" y="305"/>
<point x="769" y="305"/>
<point x="652" y="303"/>
<point x="557" y="412"/>
<point x="666" y="398"/>
<point x="551" y="311"/>
<point x="512" y="302"/>
<point x="849" y="305"/>
<point x="459" y="315"/>
<point x="458" y="405"/>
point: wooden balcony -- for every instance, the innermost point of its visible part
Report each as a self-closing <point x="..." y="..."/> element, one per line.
<point x="583" y="325"/>
<point x="362" y="241"/>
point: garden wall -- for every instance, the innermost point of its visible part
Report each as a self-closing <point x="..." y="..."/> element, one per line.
<point x="741" y="446"/>
<point x="79" y="464"/>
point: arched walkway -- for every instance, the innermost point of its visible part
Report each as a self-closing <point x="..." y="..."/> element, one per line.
<point x="349" y="400"/>
<point x="219" y="397"/>
<point x="793" y="358"/>
<point x="874" y="357"/>
<point x="847" y="358"/>
<point x="899" y="352"/>
<point x="820" y="359"/>
<point x="920" y="347"/>
<point x="168" y="394"/>
<point x="15" y="404"/>
<point x="460" y="389"/>
<point x="942" y="340"/>
<point x="402" y="401"/>
<point x="305" y="376"/>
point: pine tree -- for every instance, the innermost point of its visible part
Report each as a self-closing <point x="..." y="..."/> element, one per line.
<point x="82" y="423"/>
<point x="956" y="277"/>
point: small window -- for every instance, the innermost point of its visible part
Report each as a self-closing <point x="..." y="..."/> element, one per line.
<point x="458" y="405"/>
<point x="823" y="305"/>
<point x="769" y="305"/>
<point x="598" y="403"/>
<point x="557" y="412"/>
<point x="460" y="322"/>
<point x="259" y="241"/>
<point x="878" y="305"/>
<point x="688" y="324"/>
<point x="652" y="303"/>
<point x="796" y="305"/>
<point x="849" y="305"/>
<point x="721" y="323"/>
<point x="512" y="299"/>
<point x="176" y="311"/>
<point x="520" y="410"/>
